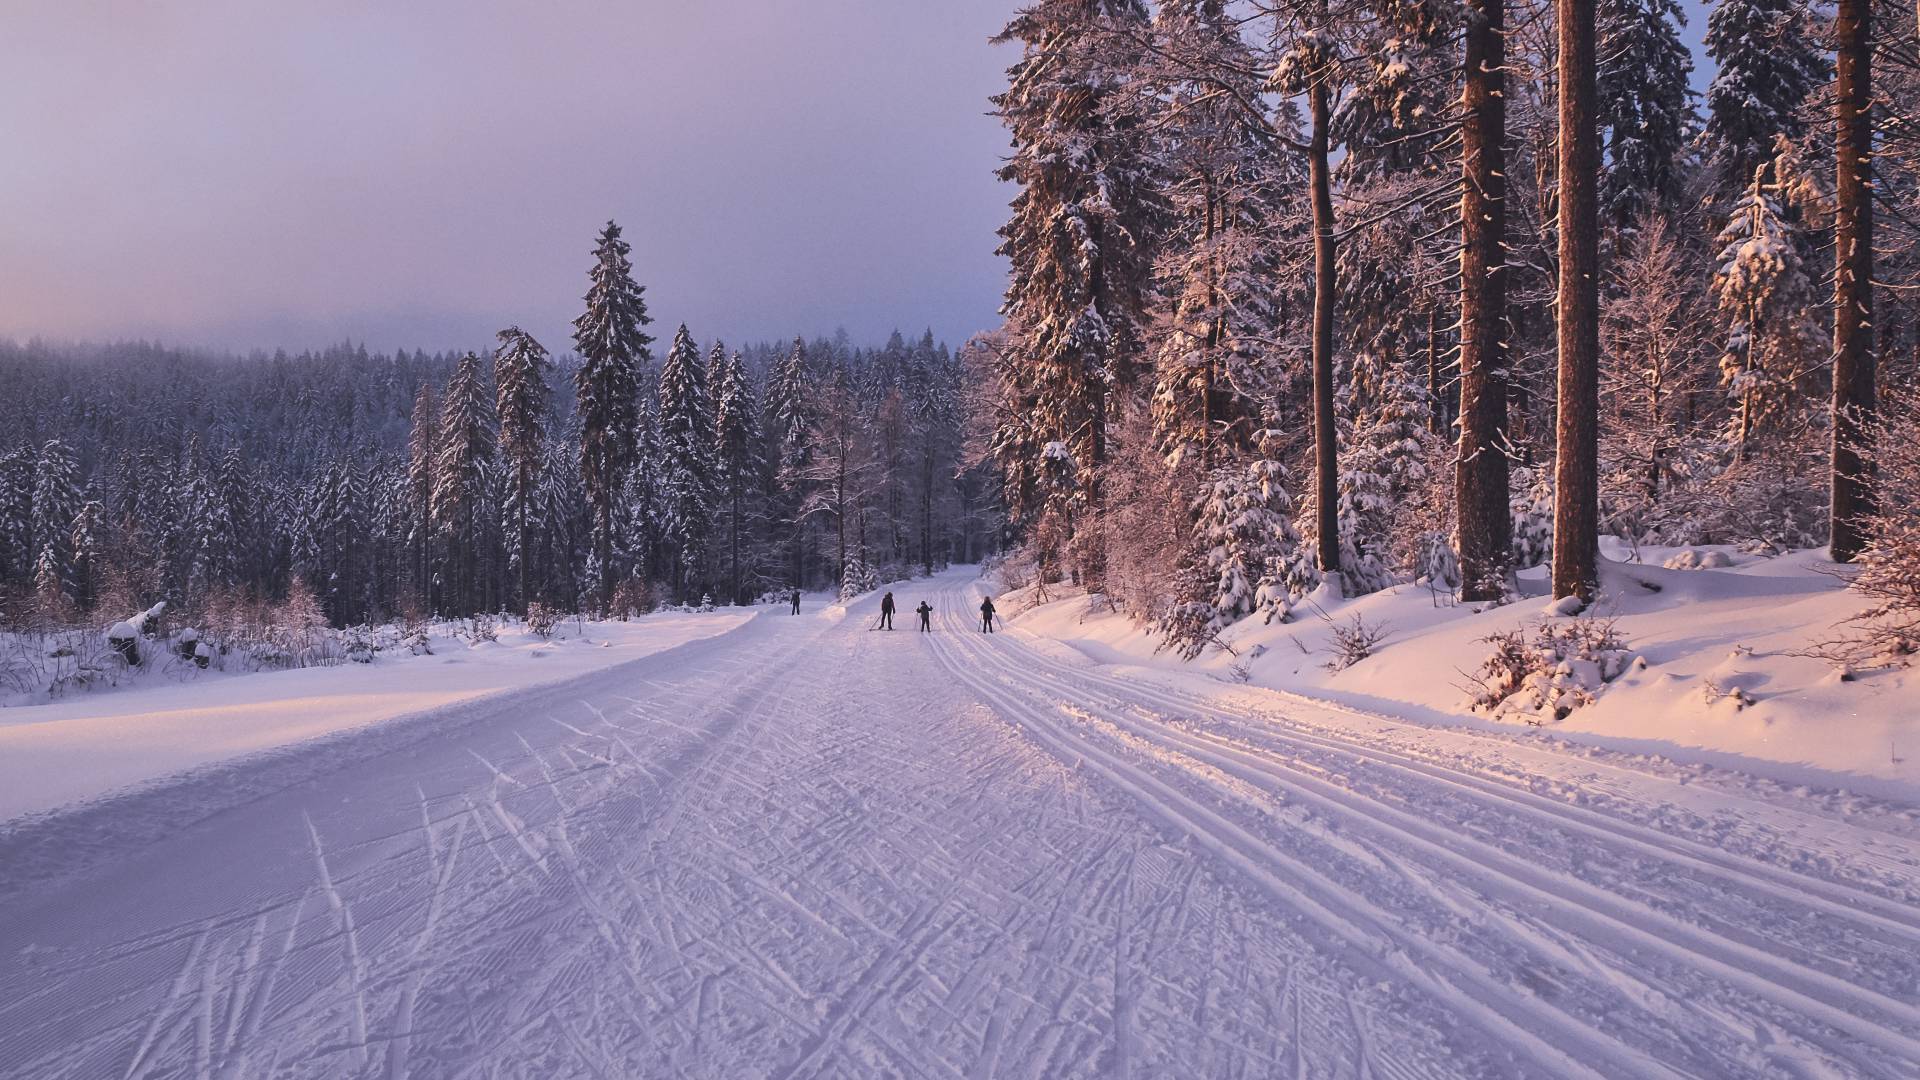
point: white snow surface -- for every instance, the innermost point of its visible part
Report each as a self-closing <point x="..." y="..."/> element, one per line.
<point x="805" y="848"/>
<point x="1737" y="622"/>
<point x="88" y="744"/>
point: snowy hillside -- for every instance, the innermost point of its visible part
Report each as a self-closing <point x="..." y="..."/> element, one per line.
<point x="1726" y="678"/>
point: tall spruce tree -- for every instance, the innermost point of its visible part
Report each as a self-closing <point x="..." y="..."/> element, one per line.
<point x="1081" y="244"/>
<point x="460" y="480"/>
<point x="1576" y="516"/>
<point x="792" y="414"/>
<point x="1851" y="505"/>
<point x="1767" y="63"/>
<point x="56" y="499"/>
<point x="520" y="367"/>
<point x="423" y="452"/>
<point x="687" y="441"/>
<point x="736" y="444"/>
<point x="613" y="357"/>
<point x="1644" y="107"/>
<point x="1481" y="481"/>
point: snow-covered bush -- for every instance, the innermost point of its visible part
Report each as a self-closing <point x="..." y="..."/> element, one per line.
<point x="632" y="596"/>
<point x="1532" y="517"/>
<point x="417" y="638"/>
<point x="360" y="644"/>
<point x="1692" y="559"/>
<point x="541" y="620"/>
<point x="1547" y="673"/>
<point x="482" y="628"/>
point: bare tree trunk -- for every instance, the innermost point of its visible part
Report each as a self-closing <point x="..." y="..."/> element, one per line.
<point x="1853" y="356"/>
<point x="1485" y="522"/>
<point x="1576" y="503"/>
<point x="1326" y="469"/>
<point x="1435" y="411"/>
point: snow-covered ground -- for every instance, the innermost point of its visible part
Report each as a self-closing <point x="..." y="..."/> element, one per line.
<point x="87" y="744"/>
<point x="1726" y="683"/>
<point x="804" y="848"/>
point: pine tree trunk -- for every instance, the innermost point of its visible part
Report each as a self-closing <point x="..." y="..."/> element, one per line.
<point x="1576" y="505"/>
<point x="1325" y="449"/>
<point x="1485" y="523"/>
<point x="1853" y="356"/>
<point x="603" y="548"/>
<point x="1436" y="412"/>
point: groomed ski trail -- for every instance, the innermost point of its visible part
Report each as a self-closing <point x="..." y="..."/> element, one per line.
<point x="802" y="849"/>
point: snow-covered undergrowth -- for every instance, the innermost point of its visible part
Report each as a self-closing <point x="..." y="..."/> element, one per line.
<point x="1706" y="655"/>
<point x="169" y="714"/>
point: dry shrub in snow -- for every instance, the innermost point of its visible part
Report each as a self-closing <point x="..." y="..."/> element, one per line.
<point x="1887" y="632"/>
<point x="1353" y="641"/>
<point x="1547" y="672"/>
<point x="541" y="620"/>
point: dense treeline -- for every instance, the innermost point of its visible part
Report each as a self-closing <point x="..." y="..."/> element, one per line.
<point x="375" y="486"/>
<point x="1358" y="292"/>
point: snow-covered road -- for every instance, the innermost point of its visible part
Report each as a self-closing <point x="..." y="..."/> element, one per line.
<point x="803" y="848"/>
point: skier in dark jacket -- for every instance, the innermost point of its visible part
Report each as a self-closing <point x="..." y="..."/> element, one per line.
<point x="926" y="617"/>
<point x="886" y="612"/>
<point x="796" y="601"/>
<point x="986" y="615"/>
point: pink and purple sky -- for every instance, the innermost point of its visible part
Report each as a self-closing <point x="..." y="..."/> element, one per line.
<point x="259" y="173"/>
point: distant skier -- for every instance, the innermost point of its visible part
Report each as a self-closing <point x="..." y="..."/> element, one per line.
<point x="886" y="612"/>
<point x="926" y="617"/>
<point x="986" y="615"/>
<point x="796" y="601"/>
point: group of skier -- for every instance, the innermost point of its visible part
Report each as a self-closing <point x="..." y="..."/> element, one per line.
<point x="925" y="611"/>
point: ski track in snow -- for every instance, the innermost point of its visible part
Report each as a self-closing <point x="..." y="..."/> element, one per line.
<point x="801" y="849"/>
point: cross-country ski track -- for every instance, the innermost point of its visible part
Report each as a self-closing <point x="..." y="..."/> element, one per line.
<point x="804" y="848"/>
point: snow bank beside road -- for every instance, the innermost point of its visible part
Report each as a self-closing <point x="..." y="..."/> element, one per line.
<point x="1724" y="685"/>
<point x="86" y="746"/>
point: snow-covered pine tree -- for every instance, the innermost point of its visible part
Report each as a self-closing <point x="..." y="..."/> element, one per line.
<point x="16" y="514"/>
<point x="1216" y="328"/>
<point x="1384" y="474"/>
<point x="89" y="534"/>
<point x="423" y="454"/>
<point x="613" y="356"/>
<point x="1645" y="106"/>
<point x="791" y="413"/>
<point x="466" y="441"/>
<point x="520" y="367"/>
<point x="932" y="402"/>
<point x="1248" y="556"/>
<point x="736" y="450"/>
<point x="686" y="441"/>
<point x="1763" y="294"/>
<point x="212" y="549"/>
<point x="52" y="607"/>
<point x="1080" y="241"/>
<point x="56" y="499"/>
<point x="1767" y="61"/>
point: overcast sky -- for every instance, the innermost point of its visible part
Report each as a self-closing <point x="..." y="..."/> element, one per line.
<point x="260" y="173"/>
